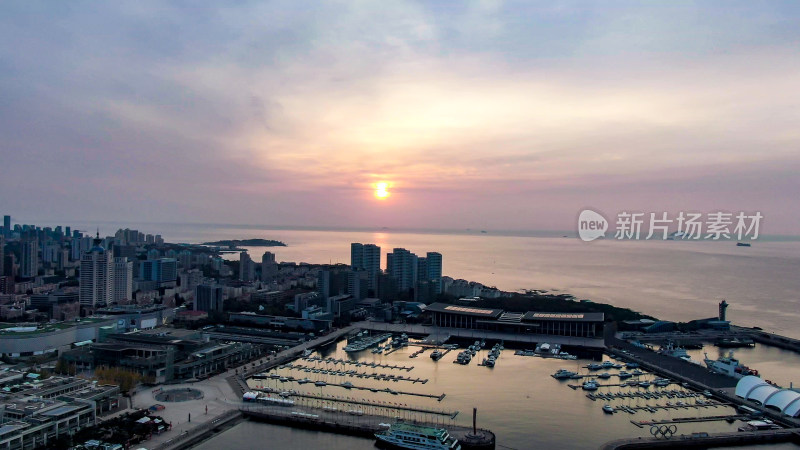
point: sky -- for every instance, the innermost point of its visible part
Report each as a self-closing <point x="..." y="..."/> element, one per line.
<point x="485" y="115"/>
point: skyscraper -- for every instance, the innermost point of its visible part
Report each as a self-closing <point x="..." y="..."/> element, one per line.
<point x="401" y="265"/>
<point x="366" y="257"/>
<point x="7" y="226"/>
<point x="29" y="256"/>
<point x="247" y="268"/>
<point x="269" y="268"/>
<point x="97" y="273"/>
<point x="434" y="270"/>
<point x="2" y="255"/>
<point x="123" y="279"/>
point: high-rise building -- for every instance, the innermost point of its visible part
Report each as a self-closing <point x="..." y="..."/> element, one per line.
<point x="269" y="268"/>
<point x="401" y="265"/>
<point x="357" y="284"/>
<point x="366" y="257"/>
<point x="247" y="268"/>
<point x="29" y="256"/>
<point x="123" y="279"/>
<point x="332" y="281"/>
<point x="162" y="270"/>
<point x="97" y="273"/>
<point x="208" y="298"/>
<point x="433" y="271"/>
<point x="2" y="255"/>
<point x="7" y="226"/>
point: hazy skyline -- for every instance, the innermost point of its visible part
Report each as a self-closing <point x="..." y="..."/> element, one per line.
<point x="487" y="115"/>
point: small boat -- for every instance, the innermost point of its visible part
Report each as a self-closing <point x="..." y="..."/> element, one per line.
<point x="624" y="374"/>
<point x="436" y="355"/>
<point x="304" y="381"/>
<point x="607" y="364"/>
<point x="563" y="374"/>
<point x="604" y="375"/>
<point x="347" y="385"/>
<point x="488" y="362"/>
<point x="644" y="384"/>
<point x="608" y="409"/>
<point x="320" y="383"/>
<point x="637" y="373"/>
<point x="594" y="366"/>
<point x="631" y="365"/>
<point x="589" y="385"/>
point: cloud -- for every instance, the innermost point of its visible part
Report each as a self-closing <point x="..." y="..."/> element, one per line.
<point x="180" y="112"/>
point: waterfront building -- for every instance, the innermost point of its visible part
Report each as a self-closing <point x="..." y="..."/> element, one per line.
<point x="96" y="280"/>
<point x="586" y="324"/>
<point x="366" y="257"/>
<point x="401" y="265"/>
<point x="7" y="227"/>
<point x="433" y="271"/>
<point x="164" y="354"/>
<point x="123" y="280"/>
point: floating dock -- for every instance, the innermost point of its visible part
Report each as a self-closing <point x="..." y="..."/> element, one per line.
<point x="374" y="404"/>
<point x="349" y="373"/>
<point x="357" y="363"/>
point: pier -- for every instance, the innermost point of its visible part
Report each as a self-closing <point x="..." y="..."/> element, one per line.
<point x="350" y="373"/>
<point x="365" y="425"/>
<point x="357" y="363"/>
<point x="368" y="403"/>
<point x="705" y="440"/>
<point x="362" y="388"/>
<point x="679" y="420"/>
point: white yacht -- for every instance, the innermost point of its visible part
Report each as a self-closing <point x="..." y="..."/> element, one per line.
<point x="408" y="436"/>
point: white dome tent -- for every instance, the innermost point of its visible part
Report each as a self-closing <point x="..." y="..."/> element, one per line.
<point x="784" y="400"/>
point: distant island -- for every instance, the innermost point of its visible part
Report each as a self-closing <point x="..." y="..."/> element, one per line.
<point x="246" y="243"/>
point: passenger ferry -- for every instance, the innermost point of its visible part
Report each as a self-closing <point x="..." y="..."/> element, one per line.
<point x="417" y="437"/>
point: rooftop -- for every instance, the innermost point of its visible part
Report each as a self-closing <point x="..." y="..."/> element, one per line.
<point x="469" y="311"/>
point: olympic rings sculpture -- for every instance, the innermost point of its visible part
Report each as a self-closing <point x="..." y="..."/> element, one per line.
<point x="663" y="431"/>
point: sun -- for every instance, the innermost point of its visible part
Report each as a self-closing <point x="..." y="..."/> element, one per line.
<point x="382" y="190"/>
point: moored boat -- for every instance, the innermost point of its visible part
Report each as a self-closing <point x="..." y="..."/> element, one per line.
<point x="410" y="436"/>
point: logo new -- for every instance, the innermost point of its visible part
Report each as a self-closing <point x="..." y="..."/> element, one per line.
<point x="591" y="225"/>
